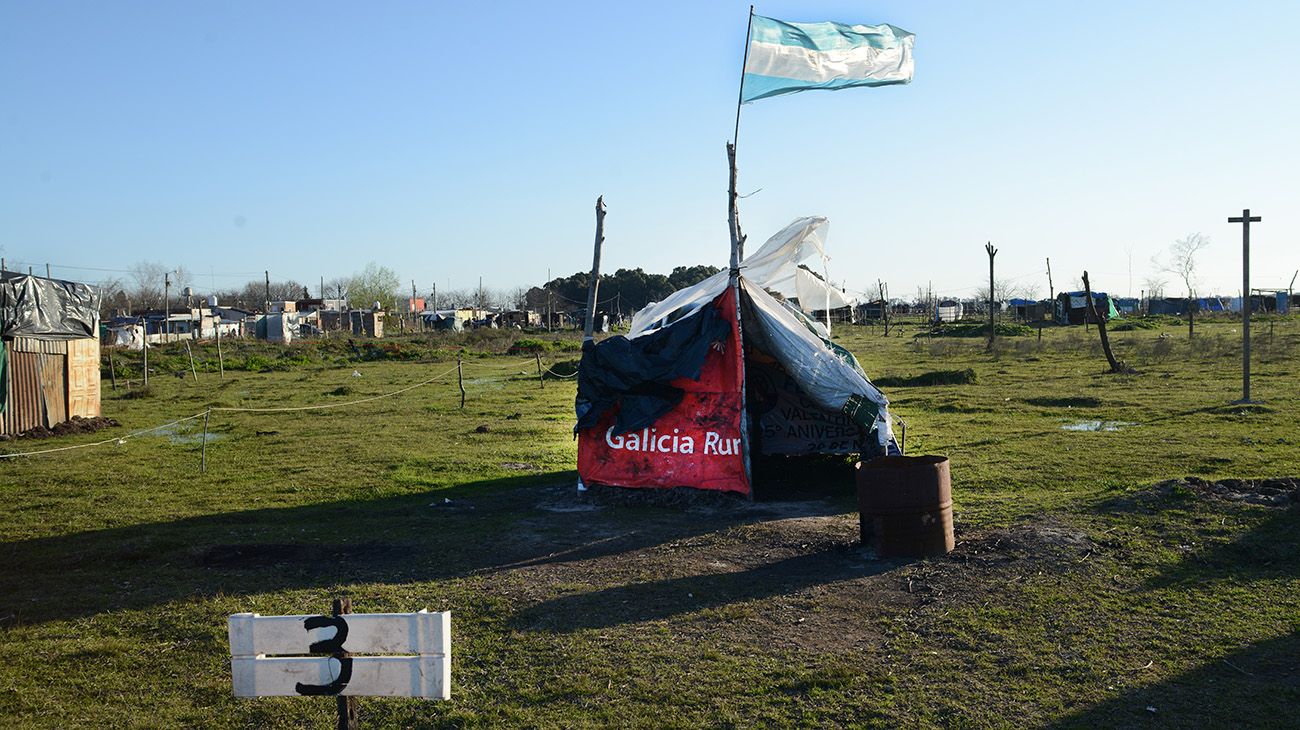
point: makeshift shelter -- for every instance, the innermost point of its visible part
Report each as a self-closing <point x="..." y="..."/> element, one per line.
<point x="1072" y="307"/>
<point x="49" y="362"/>
<point x="716" y="374"/>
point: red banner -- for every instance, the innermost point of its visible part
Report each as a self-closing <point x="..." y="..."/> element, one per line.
<point x="697" y="444"/>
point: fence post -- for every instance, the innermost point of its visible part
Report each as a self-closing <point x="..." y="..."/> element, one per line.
<point x="190" y="352"/>
<point x="203" y="453"/>
<point x="540" y="378"/>
<point x="460" y="380"/>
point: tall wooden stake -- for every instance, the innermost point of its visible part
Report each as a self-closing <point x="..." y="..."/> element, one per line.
<point x="203" y="454"/>
<point x="1051" y="292"/>
<point x="1245" y="220"/>
<point x="221" y="362"/>
<point x="112" y="370"/>
<point x="190" y="352"/>
<point x="594" y="286"/>
<point x="460" y="380"/>
<point x="541" y="380"/>
<point x="992" y="252"/>
<point x="144" y="325"/>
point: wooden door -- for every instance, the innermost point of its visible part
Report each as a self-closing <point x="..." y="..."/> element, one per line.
<point x="83" y="378"/>
<point x="53" y="389"/>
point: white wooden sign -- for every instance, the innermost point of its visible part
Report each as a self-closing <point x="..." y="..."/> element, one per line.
<point x="270" y="655"/>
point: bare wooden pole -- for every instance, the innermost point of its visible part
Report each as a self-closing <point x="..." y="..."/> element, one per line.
<point x="1245" y="220"/>
<point x="460" y="379"/>
<point x="145" y="328"/>
<point x="884" y="306"/>
<point x="737" y="256"/>
<point x="593" y="288"/>
<point x="190" y="352"/>
<point x="203" y="454"/>
<point x="221" y="363"/>
<point x="112" y="369"/>
<point x="992" y="252"/>
<point x="540" y="379"/>
<point x="1051" y="291"/>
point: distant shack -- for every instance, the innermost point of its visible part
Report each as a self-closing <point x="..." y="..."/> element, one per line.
<point x="50" y="356"/>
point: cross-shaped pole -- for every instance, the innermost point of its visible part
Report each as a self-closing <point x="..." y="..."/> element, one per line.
<point x="1245" y="219"/>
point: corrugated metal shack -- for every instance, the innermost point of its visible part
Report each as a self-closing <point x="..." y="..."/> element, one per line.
<point x="50" y="365"/>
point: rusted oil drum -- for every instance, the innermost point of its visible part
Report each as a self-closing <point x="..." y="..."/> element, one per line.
<point x="905" y="505"/>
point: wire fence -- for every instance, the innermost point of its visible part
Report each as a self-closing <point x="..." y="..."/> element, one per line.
<point x="207" y="412"/>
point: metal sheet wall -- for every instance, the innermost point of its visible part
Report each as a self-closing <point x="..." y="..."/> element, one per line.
<point x="46" y="386"/>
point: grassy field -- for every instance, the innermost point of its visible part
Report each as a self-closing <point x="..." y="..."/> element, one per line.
<point x="1085" y="590"/>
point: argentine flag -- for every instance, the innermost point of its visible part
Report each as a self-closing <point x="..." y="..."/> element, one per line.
<point x="788" y="57"/>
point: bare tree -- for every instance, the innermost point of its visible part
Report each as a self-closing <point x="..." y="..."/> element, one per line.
<point x="146" y="288"/>
<point x="1181" y="262"/>
<point x="1155" y="286"/>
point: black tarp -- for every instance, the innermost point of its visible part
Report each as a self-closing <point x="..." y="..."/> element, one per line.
<point x="635" y="374"/>
<point x="33" y="306"/>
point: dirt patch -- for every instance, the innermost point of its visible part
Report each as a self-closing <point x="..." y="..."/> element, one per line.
<point x="519" y="466"/>
<point x="74" y="425"/>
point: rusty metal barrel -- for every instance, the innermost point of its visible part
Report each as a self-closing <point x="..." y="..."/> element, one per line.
<point x="905" y="505"/>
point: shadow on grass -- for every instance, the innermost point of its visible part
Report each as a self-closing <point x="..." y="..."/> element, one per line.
<point x="1268" y="551"/>
<point x="1257" y="686"/>
<point x="474" y="528"/>
<point x="660" y="599"/>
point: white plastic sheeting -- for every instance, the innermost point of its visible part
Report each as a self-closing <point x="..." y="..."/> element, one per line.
<point x="797" y="343"/>
<point x="829" y="379"/>
<point x="774" y="267"/>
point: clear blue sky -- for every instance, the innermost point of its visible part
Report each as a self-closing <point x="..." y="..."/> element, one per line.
<point x="453" y="140"/>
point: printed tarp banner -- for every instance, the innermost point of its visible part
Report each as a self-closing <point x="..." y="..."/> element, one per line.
<point x="696" y="444"/>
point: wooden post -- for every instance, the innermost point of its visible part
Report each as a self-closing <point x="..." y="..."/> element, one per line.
<point x="221" y="363"/>
<point x="884" y="306"/>
<point x="540" y="379"/>
<point x="593" y="286"/>
<point x="1191" y="313"/>
<point x="1115" y="366"/>
<point x="1245" y="220"/>
<point x="190" y="352"/>
<point x="1051" y="290"/>
<point x="347" y="706"/>
<point x="992" y="252"/>
<point x="112" y="370"/>
<point x="737" y="256"/>
<point x="203" y="453"/>
<point x="460" y="380"/>
<point x="145" y="327"/>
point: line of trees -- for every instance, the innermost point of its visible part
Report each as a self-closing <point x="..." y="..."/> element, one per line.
<point x="143" y="289"/>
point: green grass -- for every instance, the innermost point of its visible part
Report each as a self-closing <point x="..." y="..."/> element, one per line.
<point x="1077" y="597"/>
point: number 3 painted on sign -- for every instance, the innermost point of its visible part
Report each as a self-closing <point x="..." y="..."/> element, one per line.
<point x="332" y="645"/>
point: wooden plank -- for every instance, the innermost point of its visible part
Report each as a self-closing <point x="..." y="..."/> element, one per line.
<point x="53" y="388"/>
<point x="368" y="633"/>
<point x="425" y="676"/>
<point x="83" y="378"/>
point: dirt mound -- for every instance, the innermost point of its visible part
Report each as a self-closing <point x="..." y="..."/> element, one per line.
<point x="1281" y="492"/>
<point x="74" y="425"/>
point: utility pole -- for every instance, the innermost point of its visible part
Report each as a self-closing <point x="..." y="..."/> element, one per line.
<point x="992" y="252"/>
<point x="548" y="300"/>
<point x="1245" y="219"/>
<point x="268" y="292"/>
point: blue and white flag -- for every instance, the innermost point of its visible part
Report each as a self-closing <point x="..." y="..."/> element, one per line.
<point x="789" y="57"/>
